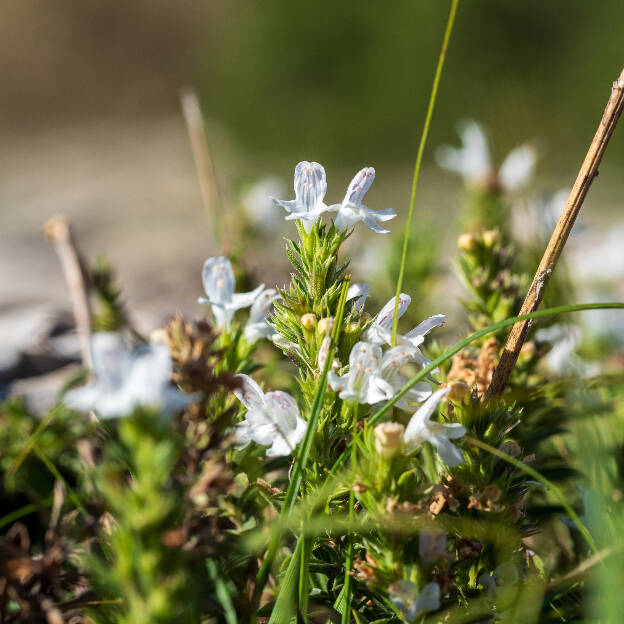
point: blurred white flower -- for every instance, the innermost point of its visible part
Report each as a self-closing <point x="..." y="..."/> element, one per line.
<point x="473" y="161"/>
<point x="363" y="382"/>
<point x="124" y="380"/>
<point x="535" y="222"/>
<point x="258" y="206"/>
<point x="272" y="419"/>
<point x="359" y="292"/>
<point x="310" y="188"/>
<point x="393" y="361"/>
<point x="406" y="597"/>
<point x="421" y="429"/>
<point x="562" y="358"/>
<point x="219" y="285"/>
<point x="352" y="210"/>
<point x="257" y="326"/>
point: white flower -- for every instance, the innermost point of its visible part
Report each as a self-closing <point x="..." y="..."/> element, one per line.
<point x="124" y="380"/>
<point x="219" y="284"/>
<point x="363" y="382"/>
<point x="412" y="602"/>
<point x="257" y="326"/>
<point x="353" y="210"/>
<point x="380" y="331"/>
<point x="272" y="419"/>
<point x="473" y="162"/>
<point x="310" y="189"/>
<point x="393" y="361"/>
<point x="359" y="292"/>
<point x="421" y="429"/>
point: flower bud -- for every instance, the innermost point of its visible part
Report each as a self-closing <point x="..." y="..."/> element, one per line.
<point x="467" y="243"/>
<point x="491" y="238"/>
<point x="389" y="439"/>
<point x="308" y="320"/>
<point x="459" y="392"/>
<point x="325" y="325"/>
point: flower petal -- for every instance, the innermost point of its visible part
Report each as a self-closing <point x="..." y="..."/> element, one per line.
<point x="420" y="419"/>
<point x="244" y="300"/>
<point x="360" y="185"/>
<point x="218" y="279"/>
<point x="310" y="184"/>
<point x="422" y="329"/>
<point x="249" y="394"/>
<point x="518" y="167"/>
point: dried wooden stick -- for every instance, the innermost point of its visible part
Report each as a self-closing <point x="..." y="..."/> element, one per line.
<point x="58" y="232"/>
<point x="589" y="170"/>
<point x="201" y="155"/>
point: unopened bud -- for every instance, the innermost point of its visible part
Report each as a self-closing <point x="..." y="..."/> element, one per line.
<point x="491" y="238"/>
<point x="389" y="439"/>
<point x="467" y="242"/>
<point x="459" y="392"/>
<point x="325" y="325"/>
<point x="308" y="320"/>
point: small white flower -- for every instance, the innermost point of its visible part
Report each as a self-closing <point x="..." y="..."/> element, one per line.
<point x="284" y="344"/>
<point x="473" y="161"/>
<point x="359" y="292"/>
<point x="219" y="285"/>
<point x="412" y="602"/>
<point x="272" y="419"/>
<point x="393" y="361"/>
<point x="380" y="331"/>
<point x="363" y="382"/>
<point x="421" y="429"/>
<point x="353" y="210"/>
<point x="124" y="380"/>
<point x="310" y="189"/>
<point x="257" y="326"/>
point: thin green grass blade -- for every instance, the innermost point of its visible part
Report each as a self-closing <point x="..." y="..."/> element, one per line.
<point x="421" y="150"/>
<point x="285" y="608"/>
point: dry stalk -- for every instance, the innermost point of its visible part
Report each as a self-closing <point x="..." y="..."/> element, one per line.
<point x="589" y="170"/>
<point x="58" y="232"/>
<point x="201" y="155"/>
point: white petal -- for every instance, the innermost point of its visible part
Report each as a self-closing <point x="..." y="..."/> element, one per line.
<point x="370" y="222"/>
<point x="244" y="300"/>
<point x="429" y="599"/>
<point x="378" y="390"/>
<point x="361" y="292"/>
<point x="518" y="167"/>
<point x="360" y="185"/>
<point x="447" y="451"/>
<point x="420" y="419"/>
<point x="249" y="394"/>
<point x="310" y="184"/>
<point x="289" y="205"/>
<point x="218" y="279"/>
<point x="426" y="326"/>
<point x="385" y="316"/>
<point x="454" y="430"/>
<point x="283" y="411"/>
<point x="262" y="306"/>
<point x="472" y="160"/>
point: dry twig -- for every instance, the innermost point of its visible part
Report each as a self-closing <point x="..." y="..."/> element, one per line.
<point x="58" y="232"/>
<point x="589" y="170"/>
<point x="201" y="155"/>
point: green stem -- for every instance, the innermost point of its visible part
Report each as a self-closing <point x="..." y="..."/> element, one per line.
<point x="451" y="351"/>
<point x="347" y="581"/>
<point x="303" y="453"/>
<point x="421" y="149"/>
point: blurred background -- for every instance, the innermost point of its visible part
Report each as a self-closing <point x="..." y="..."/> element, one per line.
<point x="91" y="125"/>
